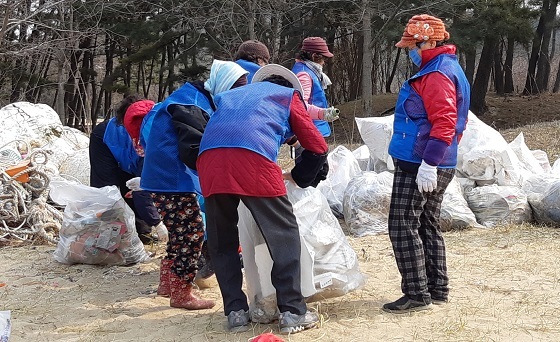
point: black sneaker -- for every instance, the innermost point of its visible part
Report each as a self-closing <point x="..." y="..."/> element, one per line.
<point x="439" y="301"/>
<point x="238" y="321"/>
<point x="406" y="304"/>
<point x="290" y="323"/>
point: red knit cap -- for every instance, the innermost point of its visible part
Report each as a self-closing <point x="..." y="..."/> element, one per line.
<point x="422" y="28"/>
<point x="134" y="116"/>
<point x="316" y="45"/>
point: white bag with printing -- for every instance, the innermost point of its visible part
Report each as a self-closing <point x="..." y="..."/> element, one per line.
<point x="329" y="265"/>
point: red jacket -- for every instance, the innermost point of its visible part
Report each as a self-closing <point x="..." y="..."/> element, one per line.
<point x="439" y="96"/>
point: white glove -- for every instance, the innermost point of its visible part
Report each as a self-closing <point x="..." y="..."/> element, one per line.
<point x="426" y="177"/>
<point x="162" y="233"/>
<point x="330" y="114"/>
<point x="134" y="184"/>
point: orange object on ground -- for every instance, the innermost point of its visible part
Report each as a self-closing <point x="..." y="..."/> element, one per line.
<point x="14" y="170"/>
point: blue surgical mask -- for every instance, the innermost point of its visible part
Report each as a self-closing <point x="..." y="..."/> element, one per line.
<point x="415" y="57"/>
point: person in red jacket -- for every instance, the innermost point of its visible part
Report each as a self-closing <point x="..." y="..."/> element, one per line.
<point x="237" y="162"/>
<point x="430" y="116"/>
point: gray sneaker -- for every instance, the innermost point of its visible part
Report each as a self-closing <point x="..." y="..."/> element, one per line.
<point x="290" y="323"/>
<point x="238" y="321"/>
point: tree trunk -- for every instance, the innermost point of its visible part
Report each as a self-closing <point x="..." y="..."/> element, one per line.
<point x="480" y="85"/>
<point x="59" y="101"/>
<point x="251" y="13"/>
<point x="470" y="64"/>
<point x="530" y="82"/>
<point x="508" y="67"/>
<point x="161" y="90"/>
<point x="543" y="65"/>
<point x="109" y="56"/>
<point x="367" y="62"/>
<point x="557" y="81"/>
<point x="498" y="71"/>
<point x="393" y="72"/>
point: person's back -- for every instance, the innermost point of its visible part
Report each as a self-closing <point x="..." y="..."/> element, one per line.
<point x="237" y="163"/>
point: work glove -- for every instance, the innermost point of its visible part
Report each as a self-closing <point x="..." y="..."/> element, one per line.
<point x="162" y="233"/>
<point x="426" y="177"/>
<point x="134" y="184"/>
<point x="330" y="114"/>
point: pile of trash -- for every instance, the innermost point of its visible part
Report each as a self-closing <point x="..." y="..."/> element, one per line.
<point x="34" y="148"/>
<point x="496" y="182"/>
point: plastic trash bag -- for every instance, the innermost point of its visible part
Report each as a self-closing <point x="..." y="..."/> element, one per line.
<point x="376" y="132"/>
<point x="455" y="211"/>
<point x="486" y="157"/>
<point x="98" y="227"/>
<point x="493" y="205"/>
<point x="5" y="326"/>
<point x="542" y="158"/>
<point x="343" y="166"/>
<point x="366" y="203"/>
<point x="329" y="265"/>
<point x="526" y="158"/>
<point x="363" y="157"/>
<point x="546" y="205"/>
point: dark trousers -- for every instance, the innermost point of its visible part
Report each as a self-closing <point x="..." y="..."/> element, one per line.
<point x="416" y="236"/>
<point x="277" y="223"/>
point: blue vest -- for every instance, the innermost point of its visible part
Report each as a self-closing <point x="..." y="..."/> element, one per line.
<point x="253" y="117"/>
<point x="249" y="67"/>
<point x="317" y="96"/>
<point x="120" y="144"/>
<point x="163" y="169"/>
<point x="411" y="129"/>
<point x="147" y="123"/>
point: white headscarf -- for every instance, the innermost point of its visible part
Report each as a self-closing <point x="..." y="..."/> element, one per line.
<point x="223" y="75"/>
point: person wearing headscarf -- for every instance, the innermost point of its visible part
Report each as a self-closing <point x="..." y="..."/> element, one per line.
<point x="237" y="162"/>
<point x="171" y="133"/>
<point x="430" y="118"/>
<point x="251" y="56"/>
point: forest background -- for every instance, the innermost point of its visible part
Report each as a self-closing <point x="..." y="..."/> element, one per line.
<point x="80" y="56"/>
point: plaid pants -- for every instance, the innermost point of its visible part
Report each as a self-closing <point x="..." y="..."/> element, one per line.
<point x="416" y="236"/>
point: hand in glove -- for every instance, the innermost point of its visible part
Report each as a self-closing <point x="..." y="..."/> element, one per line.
<point x="134" y="184"/>
<point x="426" y="177"/>
<point x="330" y="114"/>
<point x="162" y="233"/>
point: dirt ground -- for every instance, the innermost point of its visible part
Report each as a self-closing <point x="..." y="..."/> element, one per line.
<point x="504" y="281"/>
<point x="504" y="287"/>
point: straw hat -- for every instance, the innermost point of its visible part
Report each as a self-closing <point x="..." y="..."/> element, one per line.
<point x="276" y="69"/>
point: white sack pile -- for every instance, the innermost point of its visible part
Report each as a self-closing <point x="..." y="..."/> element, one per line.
<point x="522" y="180"/>
<point x="40" y="127"/>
